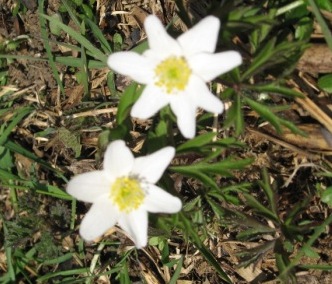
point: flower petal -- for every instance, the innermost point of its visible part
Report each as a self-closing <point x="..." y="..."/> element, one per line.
<point x="151" y="167"/>
<point x="158" y="200"/>
<point x="136" y="225"/>
<point x="131" y="64"/>
<point x="149" y="103"/>
<point x="101" y="217"/>
<point x="88" y="187"/>
<point x="200" y="38"/>
<point x="202" y="97"/>
<point x="185" y="112"/>
<point x="209" y="66"/>
<point x="118" y="159"/>
<point x="159" y="40"/>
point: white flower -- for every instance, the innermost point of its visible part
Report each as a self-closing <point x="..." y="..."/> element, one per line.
<point x="124" y="192"/>
<point x="175" y="71"/>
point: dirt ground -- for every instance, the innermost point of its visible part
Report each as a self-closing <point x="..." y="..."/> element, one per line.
<point x="292" y="161"/>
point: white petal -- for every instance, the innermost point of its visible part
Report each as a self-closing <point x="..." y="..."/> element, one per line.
<point x="185" y="112"/>
<point x="88" y="187"/>
<point x="209" y="66"/>
<point x="118" y="159"/>
<point x="159" y="40"/>
<point x="151" y="167"/>
<point x="101" y="217"/>
<point x="149" y="103"/>
<point x="131" y="64"/>
<point x="200" y="38"/>
<point x="136" y="225"/>
<point x="202" y="97"/>
<point x="158" y="200"/>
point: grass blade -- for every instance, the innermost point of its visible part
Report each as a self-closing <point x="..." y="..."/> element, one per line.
<point x="44" y="36"/>
<point x="95" y="52"/>
<point x="325" y="29"/>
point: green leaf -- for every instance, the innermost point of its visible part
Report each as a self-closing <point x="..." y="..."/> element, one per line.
<point x="52" y="191"/>
<point x="192" y="204"/>
<point x="234" y="116"/>
<point x="19" y="114"/>
<point x="253" y="255"/>
<point x="196" y="142"/>
<point x="260" y="59"/>
<point x="111" y="83"/>
<point x="10" y="275"/>
<point x="177" y="271"/>
<point x="54" y="28"/>
<point x="216" y="208"/>
<point x="325" y="83"/>
<point x="223" y="167"/>
<point x="254" y="232"/>
<point x="202" y="170"/>
<point x="265" y="184"/>
<point x="124" y="274"/>
<point x="239" y="119"/>
<point x="207" y="254"/>
<point x="6" y="158"/>
<point x="283" y="262"/>
<point x="87" y="11"/>
<point x="192" y="172"/>
<point x="260" y="208"/>
<point x="59" y="259"/>
<point x="70" y="10"/>
<point x="70" y="140"/>
<point x="325" y="4"/>
<point x="99" y="35"/>
<point x="61" y="273"/>
<point x="94" y="51"/>
<point x="308" y="251"/>
<point x="141" y="47"/>
<point x="157" y="137"/>
<point x="304" y="28"/>
<point x="127" y="99"/>
<point x="292" y="127"/>
<point x="77" y="62"/>
<point x="263" y="29"/>
<point x="294" y="212"/>
<point x="44" y="36"/>
<point x="14" y="147"/>
<point x="321" y="21"/>
<point x="273" y="88"/>
<point x="154" y="241"/>
<point x="323" y="267"/>
<point x="117" y="42"/>
<point x="265" y="112"/>
<point x="327" y="196"/>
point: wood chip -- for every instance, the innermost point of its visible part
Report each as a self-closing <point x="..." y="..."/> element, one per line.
<point x="316" y="59"/>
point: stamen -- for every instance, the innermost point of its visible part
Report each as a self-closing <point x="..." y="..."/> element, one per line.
<point x="127" y="194"/>
<point x="172" y="74"/>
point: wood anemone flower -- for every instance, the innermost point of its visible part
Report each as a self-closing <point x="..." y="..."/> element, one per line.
<point x="175" y="71"/>
<point x="124" y="192"/>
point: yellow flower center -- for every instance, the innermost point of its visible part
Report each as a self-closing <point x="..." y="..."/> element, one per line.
<point x="127" y="194"/>
<point x="172" y="74"/>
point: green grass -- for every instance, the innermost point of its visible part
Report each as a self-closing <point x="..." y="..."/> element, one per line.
<point x="231" y="188"/>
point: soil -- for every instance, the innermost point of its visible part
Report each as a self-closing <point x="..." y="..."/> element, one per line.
<point x="292" y="164"/>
